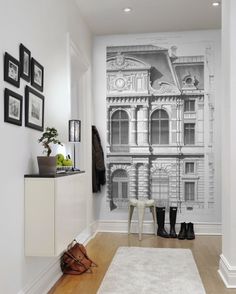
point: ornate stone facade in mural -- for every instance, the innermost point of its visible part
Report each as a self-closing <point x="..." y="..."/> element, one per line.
<point x="159" y="128"/>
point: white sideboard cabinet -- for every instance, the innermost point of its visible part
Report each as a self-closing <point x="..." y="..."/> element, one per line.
<point x="55" y="212"/>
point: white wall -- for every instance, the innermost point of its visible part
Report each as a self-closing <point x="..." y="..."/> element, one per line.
<point x="188" y="43"/>
<point x="42" y="27"/>
<point x="227" y="265"/>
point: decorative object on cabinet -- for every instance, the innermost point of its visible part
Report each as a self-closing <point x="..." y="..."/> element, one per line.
<point x="63" y="163"/>
<point x="12" y="107"/>
<point x="34" y="109"/>
<point x="11" y="70"/>
<point x="25" y="56"/>
<point x="48" y="164"/>
<point x="37" y="75"/>
<point x="74" y="133"/>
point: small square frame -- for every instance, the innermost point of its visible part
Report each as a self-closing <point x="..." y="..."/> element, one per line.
<point x="12" y="107"/>
<point x="11" y="70"/>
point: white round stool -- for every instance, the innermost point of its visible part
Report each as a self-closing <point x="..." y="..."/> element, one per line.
<point x="141" y="205"/>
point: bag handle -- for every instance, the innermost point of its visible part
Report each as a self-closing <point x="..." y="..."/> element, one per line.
<point x="71" y="244"/>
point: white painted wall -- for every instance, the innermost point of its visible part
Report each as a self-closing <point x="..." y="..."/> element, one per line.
<point x="227" y="266"/>
<point x="188" y="43"/>
<point x="42" y="27"/>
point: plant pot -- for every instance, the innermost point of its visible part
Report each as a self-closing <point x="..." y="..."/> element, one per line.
<point x="47" y="165"/>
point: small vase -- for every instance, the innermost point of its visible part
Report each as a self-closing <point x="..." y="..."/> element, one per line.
<point x="47" y="165"/>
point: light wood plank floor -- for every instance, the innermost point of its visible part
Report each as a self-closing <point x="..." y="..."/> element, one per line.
<point x="205" y="249"/>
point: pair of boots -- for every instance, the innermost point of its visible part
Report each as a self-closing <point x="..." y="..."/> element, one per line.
<point x="161" y="222"/>
<point x="186" y="232"/>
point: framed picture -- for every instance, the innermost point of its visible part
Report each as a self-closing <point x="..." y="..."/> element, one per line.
<point x="12" y="107"/>
<point x="34" y="109"/>
<point x="37" y="75"/>
<point x="11" y="70"/>
<point x="25" y="56"/>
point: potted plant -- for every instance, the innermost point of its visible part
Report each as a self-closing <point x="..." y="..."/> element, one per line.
<point x="48" y="164"/>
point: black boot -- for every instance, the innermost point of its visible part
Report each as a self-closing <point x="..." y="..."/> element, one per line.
<point x="161" y="222"/>
<point x="183" y="232"/>
<point x="172" y="215"/>
<point x="190" y="232"/>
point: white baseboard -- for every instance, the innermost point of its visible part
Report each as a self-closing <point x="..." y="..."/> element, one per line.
<point x="227" y="272"/>
<point x="50" y="275"/>
<point x="121" y="226"/>
<point x="87" y="234"/>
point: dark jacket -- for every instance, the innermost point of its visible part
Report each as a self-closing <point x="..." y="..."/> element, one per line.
<point x="98" y="165"/>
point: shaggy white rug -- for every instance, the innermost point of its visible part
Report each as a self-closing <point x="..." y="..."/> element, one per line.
<point x="136" y="270"/>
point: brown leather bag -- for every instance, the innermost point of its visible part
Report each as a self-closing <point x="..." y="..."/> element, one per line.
<point x="75" y="261"/>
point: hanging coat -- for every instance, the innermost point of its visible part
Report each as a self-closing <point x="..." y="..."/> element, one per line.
<point x="98" y="165"/>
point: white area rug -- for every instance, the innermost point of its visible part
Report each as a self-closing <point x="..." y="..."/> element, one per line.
<point x="136" y="270"/>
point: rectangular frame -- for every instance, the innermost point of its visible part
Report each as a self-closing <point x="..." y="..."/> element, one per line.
<point x="37" y="75"/>
<point x="12" y="107"/>
<point x="11" y="70"/>
<point x="34" y="109"/>
<point x="25" y="63"/>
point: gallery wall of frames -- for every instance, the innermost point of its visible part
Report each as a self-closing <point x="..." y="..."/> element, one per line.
<point x="28" y="68"/>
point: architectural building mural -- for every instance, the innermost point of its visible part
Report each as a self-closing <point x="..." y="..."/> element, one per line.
<point x="159" y="128"/>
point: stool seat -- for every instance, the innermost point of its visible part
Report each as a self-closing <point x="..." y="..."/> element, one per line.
<point x="141" y="205"/>
<point x="137" y="202"/>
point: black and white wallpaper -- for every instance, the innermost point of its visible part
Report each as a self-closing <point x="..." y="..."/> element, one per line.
<point x="159" y="128"/>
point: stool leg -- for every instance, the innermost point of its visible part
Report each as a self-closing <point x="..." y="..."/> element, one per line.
<point x="153" y="210"/>
<point x="131" y="210"/>
<point x="140" y="220"/>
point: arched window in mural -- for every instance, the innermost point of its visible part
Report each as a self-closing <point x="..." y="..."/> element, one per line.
<point x="119" y="129"/>
<point x="120" y="184"/>
<point x="160" y="127"/>
<point x="160" y="187"/>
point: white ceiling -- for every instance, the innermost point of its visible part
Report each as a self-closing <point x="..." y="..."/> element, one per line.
<point x="106" y="16"/>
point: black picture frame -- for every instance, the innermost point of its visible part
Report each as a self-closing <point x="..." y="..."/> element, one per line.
<point x="11" y="70"/>
<point x="34" y="109"/>
<point x="12" y="107"/>
<point x="37" y="75"/>
<point x="25" y="63"/>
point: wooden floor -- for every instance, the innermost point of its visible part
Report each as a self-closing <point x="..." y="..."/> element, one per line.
<point x="205" y="249"/>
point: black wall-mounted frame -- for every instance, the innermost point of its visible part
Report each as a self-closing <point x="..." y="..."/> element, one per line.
<point x="34" y="109"/>
<point x="12" y="107"/>
<point x="25" y="63"/>
<point x="11" y="70"/>
<point x="37" y="75"/>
